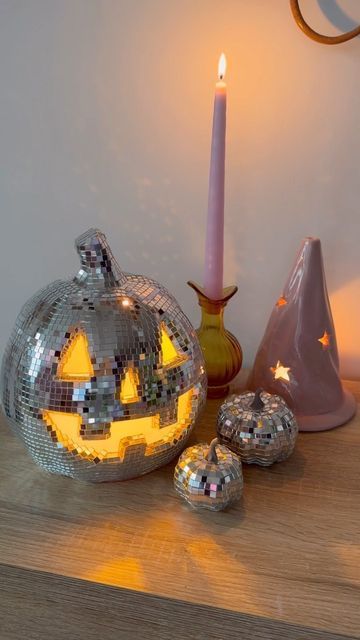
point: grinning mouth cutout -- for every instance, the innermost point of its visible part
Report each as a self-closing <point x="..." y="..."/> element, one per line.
<point x="64" y="429"/>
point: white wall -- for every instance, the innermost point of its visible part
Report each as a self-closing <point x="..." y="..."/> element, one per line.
<point x="105" y="117"/>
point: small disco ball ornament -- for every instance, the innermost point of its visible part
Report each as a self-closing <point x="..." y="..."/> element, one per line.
<point x="258" y="427"/>
<point x="103" y="376"/>
<point x="209" y="477"/>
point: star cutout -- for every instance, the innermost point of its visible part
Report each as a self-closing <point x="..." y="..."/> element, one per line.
<point x="281" y="301"/>
<point x="280" y="372"/>
<point x="325" y="340"/>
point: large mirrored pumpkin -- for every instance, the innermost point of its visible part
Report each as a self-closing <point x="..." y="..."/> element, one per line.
<point x="103" y="376"/>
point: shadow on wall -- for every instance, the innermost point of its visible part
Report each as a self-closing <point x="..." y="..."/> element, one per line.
<point x="336" y="15"/>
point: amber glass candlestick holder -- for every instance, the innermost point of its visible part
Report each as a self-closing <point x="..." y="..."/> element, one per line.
<point x="222" y="351"/>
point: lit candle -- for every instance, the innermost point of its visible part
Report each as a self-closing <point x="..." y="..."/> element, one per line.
<point x="214" y="251"/>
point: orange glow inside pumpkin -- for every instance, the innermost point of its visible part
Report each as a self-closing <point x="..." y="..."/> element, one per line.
<point x="129" y="387"/>
<point x="147" y="431"/>
<point x="75" y="364"/>
<point x="170" y="356"/>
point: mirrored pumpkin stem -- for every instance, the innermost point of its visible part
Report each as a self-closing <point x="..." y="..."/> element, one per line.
<point x="222" y="352"/>
<point x="98" y="265"/>
<point x="212" y="455"/>
<point x="257" y="403"/>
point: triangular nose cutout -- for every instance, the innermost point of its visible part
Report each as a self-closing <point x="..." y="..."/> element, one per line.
<point x="128" y="391"/>
<point x="75" y="362"/>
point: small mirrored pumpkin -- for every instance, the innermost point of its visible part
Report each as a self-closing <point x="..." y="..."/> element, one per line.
<point x="209" y="477"/>
<point x="103" y="376"/>
<point x="258" y="427"/>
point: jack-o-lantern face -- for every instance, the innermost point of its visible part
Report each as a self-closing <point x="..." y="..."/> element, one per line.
<point x="70" y="429"/>
<point x="106" y="376"/>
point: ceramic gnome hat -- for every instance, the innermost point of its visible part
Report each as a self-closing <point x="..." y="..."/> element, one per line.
<point x="298" y="358"/>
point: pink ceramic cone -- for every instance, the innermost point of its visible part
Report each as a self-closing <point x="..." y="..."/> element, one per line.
<point x="298" y="357"/>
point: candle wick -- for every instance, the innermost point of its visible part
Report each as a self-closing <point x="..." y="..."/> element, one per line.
<point x="221" y="77"/>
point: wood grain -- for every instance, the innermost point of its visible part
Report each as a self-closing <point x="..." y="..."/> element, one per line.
<point x="289" y="553"/>
<point x="39" y="606"/>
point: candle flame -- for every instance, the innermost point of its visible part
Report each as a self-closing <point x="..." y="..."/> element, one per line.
<point x="222" y="66"/>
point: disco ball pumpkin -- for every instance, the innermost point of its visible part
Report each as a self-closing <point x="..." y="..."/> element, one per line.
<point x="103" y="376"/>
<point x="209" y="477"/>
<point x="259" y="427"/>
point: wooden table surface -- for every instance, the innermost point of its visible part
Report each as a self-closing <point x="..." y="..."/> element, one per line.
<point x="131" y="560"/>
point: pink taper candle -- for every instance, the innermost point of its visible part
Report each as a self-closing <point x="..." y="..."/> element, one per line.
<point x="214" y="251"/>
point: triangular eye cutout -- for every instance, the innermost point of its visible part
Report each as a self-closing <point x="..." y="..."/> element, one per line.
<point x="170" y="356"/>
<point x="75" y="363"/>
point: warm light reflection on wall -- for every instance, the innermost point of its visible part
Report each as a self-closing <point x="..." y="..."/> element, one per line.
<point x="345" y="305"/>
<point x="271" y="112"/>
